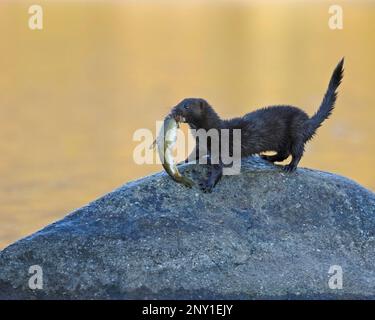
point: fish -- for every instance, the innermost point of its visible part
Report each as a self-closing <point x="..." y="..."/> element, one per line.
<point x="165" y="143"/>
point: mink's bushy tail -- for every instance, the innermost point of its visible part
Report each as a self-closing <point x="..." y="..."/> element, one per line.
<point x="327" y="104"/>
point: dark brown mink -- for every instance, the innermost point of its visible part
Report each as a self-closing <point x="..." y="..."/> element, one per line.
<point x="283" y="129"/>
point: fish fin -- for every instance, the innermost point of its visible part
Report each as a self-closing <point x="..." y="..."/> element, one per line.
<point x="187" y="182"/>
<point x="153" y="145"/>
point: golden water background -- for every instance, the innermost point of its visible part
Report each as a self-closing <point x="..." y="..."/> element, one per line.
<point x="72" y="94"/>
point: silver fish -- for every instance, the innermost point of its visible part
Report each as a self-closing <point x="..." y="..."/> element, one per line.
<point x="165" y="143"/>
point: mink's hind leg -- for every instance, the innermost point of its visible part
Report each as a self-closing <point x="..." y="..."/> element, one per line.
<point x="297" y="152"/>
<point x="280" y="156"/>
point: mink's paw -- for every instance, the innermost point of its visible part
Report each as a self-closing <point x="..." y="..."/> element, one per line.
<point x="206" y="186"/>
<point x="265" y="157"/>
<point x="289" y="168"/>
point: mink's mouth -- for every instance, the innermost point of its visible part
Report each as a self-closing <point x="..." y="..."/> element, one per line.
<point x="180" y="118"/>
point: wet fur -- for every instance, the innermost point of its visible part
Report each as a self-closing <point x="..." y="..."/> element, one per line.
<point x="283" y="129"/>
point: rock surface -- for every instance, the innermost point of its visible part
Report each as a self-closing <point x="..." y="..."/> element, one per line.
<point x="261" y="234"/>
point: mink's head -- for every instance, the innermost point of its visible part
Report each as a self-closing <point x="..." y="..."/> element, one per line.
<point x="195" y="111"/>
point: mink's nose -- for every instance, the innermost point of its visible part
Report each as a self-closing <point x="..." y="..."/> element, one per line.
<point x="175" y="113"/>
<point x="179" y="118"/>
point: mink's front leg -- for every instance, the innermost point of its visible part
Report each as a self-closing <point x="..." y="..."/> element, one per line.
<point x="216" y="172"/>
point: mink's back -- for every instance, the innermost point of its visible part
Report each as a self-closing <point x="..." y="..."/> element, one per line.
<point x="272" y="128"/>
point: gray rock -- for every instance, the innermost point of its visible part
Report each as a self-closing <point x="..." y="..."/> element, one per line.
<point x="261" y="234"/>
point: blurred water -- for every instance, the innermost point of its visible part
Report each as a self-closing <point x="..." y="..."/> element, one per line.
<point x="72" y="95"/>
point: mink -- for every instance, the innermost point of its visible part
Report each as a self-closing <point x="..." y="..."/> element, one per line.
<point x="283" y="129"/>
